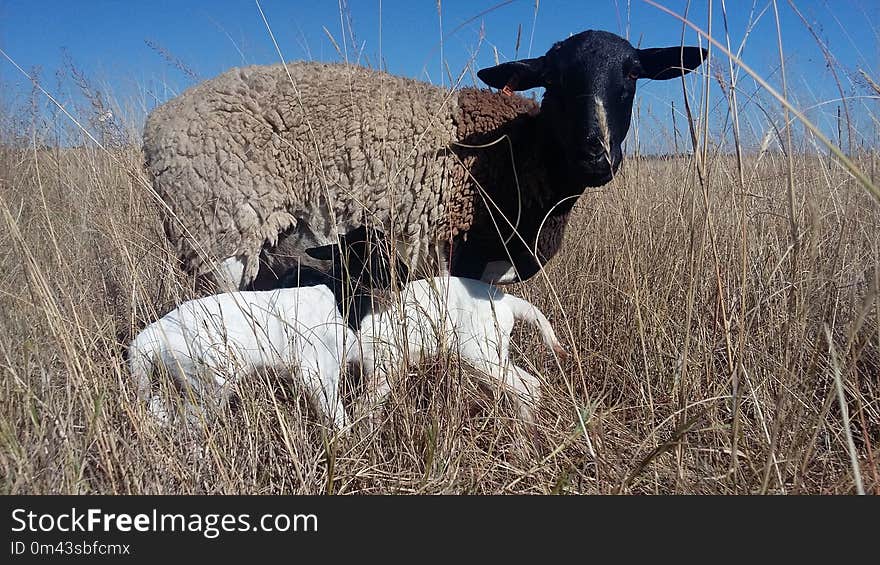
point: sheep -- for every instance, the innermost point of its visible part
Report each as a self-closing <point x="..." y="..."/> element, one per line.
<point x="205" y="343"/>
<point x="262" y="162"/>
<point x="469" y="317"/>
<point x="472" y="318"/>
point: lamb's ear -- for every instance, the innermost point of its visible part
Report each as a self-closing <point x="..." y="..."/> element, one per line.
<point x="664" y="63"/>
<point x="323" y="253"/>
<point x="515" y="75"/>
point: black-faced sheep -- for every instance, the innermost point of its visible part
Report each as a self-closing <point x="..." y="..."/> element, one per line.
<point x="262" y="162"/>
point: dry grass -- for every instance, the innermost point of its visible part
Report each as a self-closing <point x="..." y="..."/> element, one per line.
<point x="703" y="358"/>
<point x="724" y="321"/>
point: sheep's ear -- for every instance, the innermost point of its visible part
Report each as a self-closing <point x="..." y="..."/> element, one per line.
<point x="323" y="253"/>
<point x="515" y="75"/>
<point x="664" y="63"/>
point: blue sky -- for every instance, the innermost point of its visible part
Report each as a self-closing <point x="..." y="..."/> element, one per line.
<point x="107" y="40"/>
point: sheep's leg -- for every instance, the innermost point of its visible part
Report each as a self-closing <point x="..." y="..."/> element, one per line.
<point x="443" y="252"/>
<point x="499" y="272"/>
<point x="229" y="274"/>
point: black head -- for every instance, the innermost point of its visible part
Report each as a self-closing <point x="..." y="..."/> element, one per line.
<point x="303" y="275"/>
<point x="590" y="80"/>
<point x="362" y="256"/>
<point x="360" y="264"/>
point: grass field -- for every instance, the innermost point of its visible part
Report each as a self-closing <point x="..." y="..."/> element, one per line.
<point x="711" y="354"/>
<point x="723" y="317"/>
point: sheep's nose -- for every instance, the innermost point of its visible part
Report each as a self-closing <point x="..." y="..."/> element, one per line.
<point x="594" y="148"/>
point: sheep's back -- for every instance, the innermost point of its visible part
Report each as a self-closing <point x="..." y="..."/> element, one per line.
<point x="241" y="157"/>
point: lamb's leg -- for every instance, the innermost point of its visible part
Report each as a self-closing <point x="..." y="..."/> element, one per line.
<point x="158" y="409"/>
<point x="323" y="390"/>
<point x="188" y="378"/>
<point x="334" y="404"/>
<point x="224" y="390"/>
<point x="523" y="387"/>
<point x="379" y="387"/>
<point x="526" y="391"/>
<point x="376" y="390"/>
<point x="201" y="398"/>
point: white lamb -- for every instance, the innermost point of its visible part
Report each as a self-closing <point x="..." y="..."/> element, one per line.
<point x="206" y="343"/>
<point x="465" y="316"/>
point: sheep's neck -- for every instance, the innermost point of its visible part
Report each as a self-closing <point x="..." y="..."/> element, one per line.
<point x="513" y="161"/>
<point x="505" y="127"/>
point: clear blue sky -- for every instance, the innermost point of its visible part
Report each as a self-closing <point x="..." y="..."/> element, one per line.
<point x="106" y="39"/>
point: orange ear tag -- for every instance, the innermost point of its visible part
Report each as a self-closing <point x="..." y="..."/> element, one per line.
<point x="507" y="90"/>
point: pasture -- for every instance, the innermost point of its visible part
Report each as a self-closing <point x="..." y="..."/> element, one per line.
<point x="720" y="301"/>
<point x="709" y="354"/>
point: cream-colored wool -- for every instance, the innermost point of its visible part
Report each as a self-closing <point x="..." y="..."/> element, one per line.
<point x="248" y="154"/>
<point x="262" y="163"/>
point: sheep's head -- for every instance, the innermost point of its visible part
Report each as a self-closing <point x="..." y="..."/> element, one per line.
<point x="590" y="81"/>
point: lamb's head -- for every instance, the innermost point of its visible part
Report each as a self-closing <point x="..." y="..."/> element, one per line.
<point x="590" y="81"/>
<point x="360" y="264"/>
<point x="362" y="259"/>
